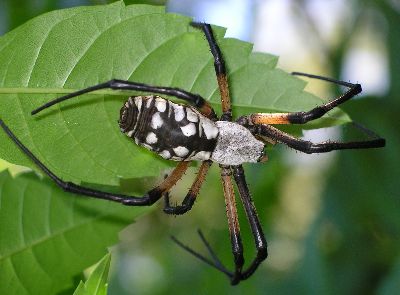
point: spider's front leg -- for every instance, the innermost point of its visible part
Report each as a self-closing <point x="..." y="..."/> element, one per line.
<point x="220" y="70"/>
<point x="305" y="116"/>
<point x="260" y="123"/>
<point x="198" y="101"/>
<point x="190" y="198"/>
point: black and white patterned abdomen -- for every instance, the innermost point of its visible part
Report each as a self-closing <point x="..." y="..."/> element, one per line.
<point x="176" y="132"/>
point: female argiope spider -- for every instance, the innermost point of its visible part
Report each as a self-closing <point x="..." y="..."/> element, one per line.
<point x="186" y="133"/>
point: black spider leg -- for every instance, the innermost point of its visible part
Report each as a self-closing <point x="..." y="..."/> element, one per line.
<point x="191" y="196"/>
<point x="220" y="70"/>
<point x="304" y="116"/>
<point x="216" y="263"/>
<point x="309" y="147"/>
<point x="319" y="111"/>
<point x="252" y="217"/>
<point x="237" y="248"/>
<point x="148" y="199"/>
<point x="234" y="231"/>
<point x="259" y="124"/>
<point x="233" y="223"/>
<point x="114" y="84"/>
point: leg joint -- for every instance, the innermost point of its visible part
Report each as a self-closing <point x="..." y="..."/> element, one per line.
<point x="262" y="252"/>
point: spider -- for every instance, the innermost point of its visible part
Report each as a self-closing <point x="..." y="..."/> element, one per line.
<point x="186" y="133"/>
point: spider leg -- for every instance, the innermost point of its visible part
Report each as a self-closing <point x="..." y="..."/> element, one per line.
<point x="304" y="117"/>
<point x="252" y="217"/>
<point x="216" y="263"/>
<point x="233" y="223"/>
<point x="220" y="70"/>
<point x="234" y="231"/>
<point x="237" y="248"/>
<point x="190" y="198"/>
<point x="195" y="99"/>
<point x="148" y="199"/>
<point x="308" y="147"/>
<point x="259" y="123"/>
<point x="210" y="250"/>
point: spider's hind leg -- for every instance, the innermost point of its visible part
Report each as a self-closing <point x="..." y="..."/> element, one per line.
<point x="148" y="199"/>
<point x="216" y="263"/>
<point x="239" y="273"/>
<point x="255" y="225"/>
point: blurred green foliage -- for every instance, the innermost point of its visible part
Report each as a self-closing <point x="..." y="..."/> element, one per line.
<point x="350" y="246"/>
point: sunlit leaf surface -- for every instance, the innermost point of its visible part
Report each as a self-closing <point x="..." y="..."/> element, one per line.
<point x="48" y="236"/>
<point x="70" y="49"/>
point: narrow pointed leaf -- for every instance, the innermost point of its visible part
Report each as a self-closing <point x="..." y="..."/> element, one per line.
<point x="96" y="284"/>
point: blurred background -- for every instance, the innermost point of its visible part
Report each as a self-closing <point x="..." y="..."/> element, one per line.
<point x="332" y="221"/>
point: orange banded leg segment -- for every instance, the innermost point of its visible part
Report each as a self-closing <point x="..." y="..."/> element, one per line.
<point x="252" y="217"/>
<point x="224" y="92"/>
<point x="207" y="110"/>
<point x="233" y="222"/>
<point x="201" y="176"/>
<point x="270" y="119"/>
<point x="220" y="70"/>
<point x="172" y="179"/>
<point x="303" y="116"/>
<point x="190" y="198"/>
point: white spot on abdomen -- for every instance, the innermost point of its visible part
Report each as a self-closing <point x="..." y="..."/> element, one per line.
<point x="209" y="127"/>
<point x="191" y="116"/>
<point x="181" y="151"/>
<point x="189" y="129"/>
<point x="138" y="102"/>
<point x="165" y="154"/>
<point x="201" y="156"/>
<point x="149" y="147"/>
<point x="151" y="138"/>
<point x="149" y="101"/>
<point x="161" y="104"/>
<point x="179" y="112"/>
<point x="156" y="121"/>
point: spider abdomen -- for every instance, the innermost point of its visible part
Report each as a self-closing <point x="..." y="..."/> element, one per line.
<point x="176" y="132"/>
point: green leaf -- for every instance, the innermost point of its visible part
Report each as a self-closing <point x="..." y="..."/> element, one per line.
<point x="97" y="282"/>
<point x="71" y="49"/>
<point x="48" y="236"/>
